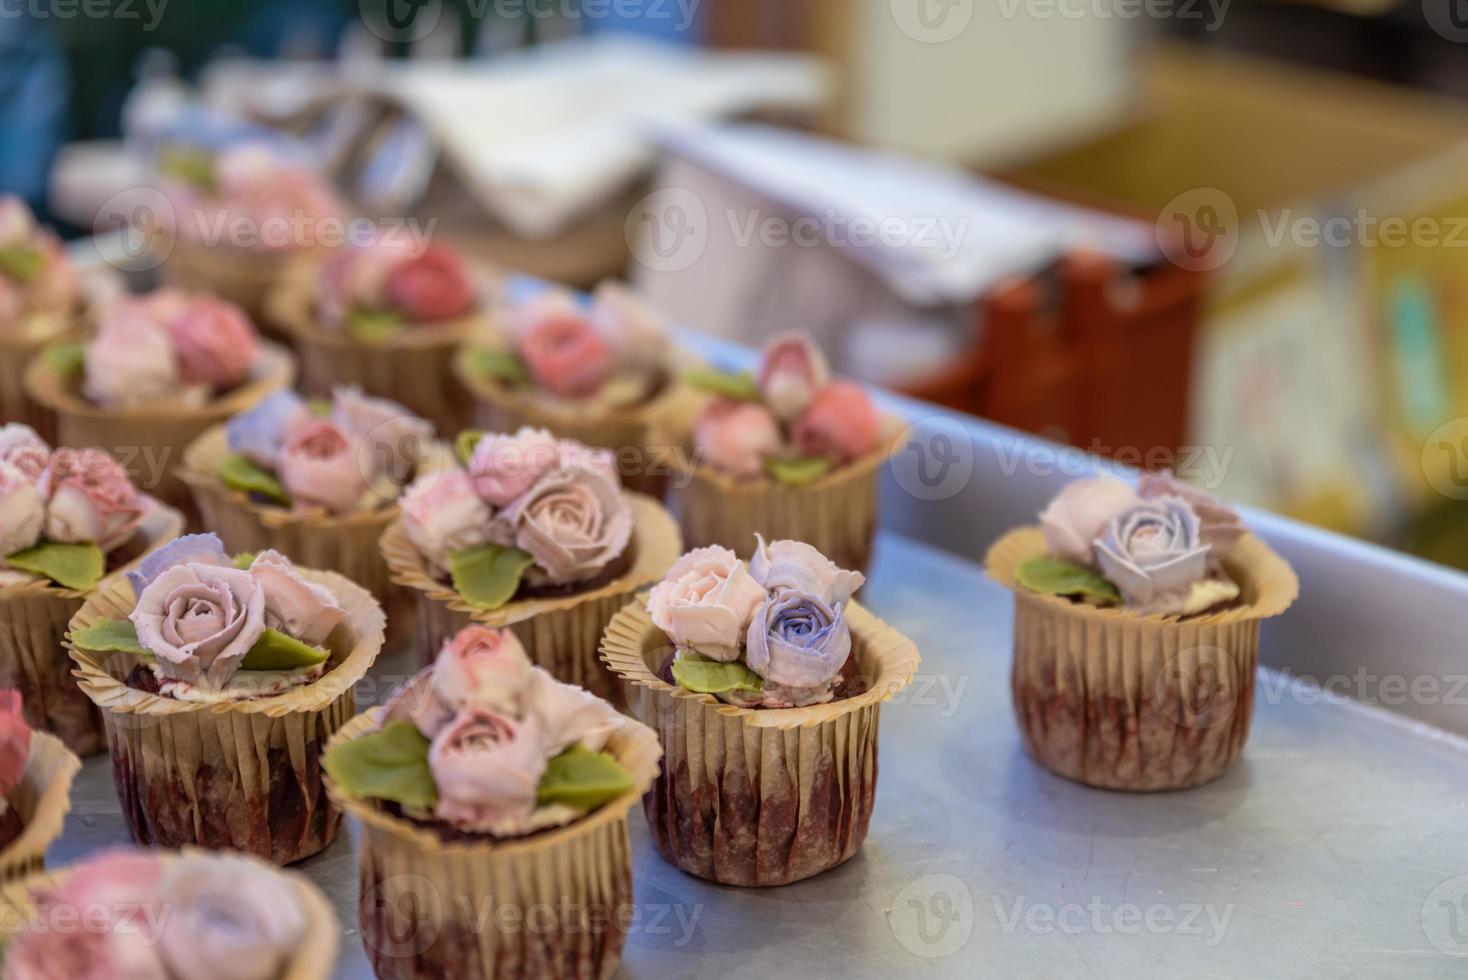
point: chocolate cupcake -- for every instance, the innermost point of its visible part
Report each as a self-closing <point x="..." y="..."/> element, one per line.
<point x="161" y="370"/>
<point x="788" y="454"/>
<point x="1136" y="628"/>
<point x="602" y="373"/>
<point x="133" y="913"/>
<point x="317" y="482"/>
<point x="219" y="683"/>
<point x="532" y="533"/>
<point x="764" y="684"/>
<point x="486" y="784"/>
<point x="388" y="317"/>
<point x="36" y="771"/>
<point x="68" y="519"/>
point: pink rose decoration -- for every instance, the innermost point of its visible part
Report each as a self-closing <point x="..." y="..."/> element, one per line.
<point x="15" y="742"/>
<point x="1080" y="514"/>
<point x="736" y="437"/>
<point x="89" y="497"/>
<point x="23" y="450"/>
<point x="840" y="422"/>
<point x="394" y="440"/>
<point x="487" y="767"/>
<point x="574" y="523"/>
<point x="442" y="514"/>
<point x="304" y="610"/>
<point x="796" y="566"/>
<point x="637" y="334"/>
<point x="229" y="919"/>
<point x="200" y="621"/>
<point x="705" y="603"/>
<point x="484" y="668"/>
<point x="22" y="512"/>
<point x="214" y="342"/>
<point x="792" y="370"/>
<point x="569" y="715"/>
<point x="356" y="278"/>
<point x="433" y="286"/>
<point x="318" y="467"/>
<point x="566" y="355"/>
<point x="504" y="467"/>
<point x="132" y="358"/>
<point x="1221" y="525"/>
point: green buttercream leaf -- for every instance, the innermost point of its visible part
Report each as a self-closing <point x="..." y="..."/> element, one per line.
<point x="497" y="365"/>
<point x="109" y="636"/>
<point x="391" y="764"/>
<point x="188" y="164"/>
<point x="581" y="778"/>
<point x="1052" y="576"/>
<point x="711" y="677"/>
<point x="72" y="566"/>
<point x="244" y="560"/>
<point x="374" y="326"/>
<point x="738" y="385"/>
<point x="799" y="471"/>
<point x="465" y="443"/>
<point x="20" y="264"/>
<point x="65" y="359"/>
<point x="240" y="474"/>
<point x="488" y="575"/>
<point x="277" y="651"/>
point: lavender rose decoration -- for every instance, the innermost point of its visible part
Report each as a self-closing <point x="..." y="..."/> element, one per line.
<point x="259" y="434"/>
<point x="798" y="640"/>
<point x="1154" y="551"/>
<point x="200" y="620"/>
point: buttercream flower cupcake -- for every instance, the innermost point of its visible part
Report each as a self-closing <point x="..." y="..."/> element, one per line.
<point x="787" y="454"/>
<point x="601" y="372"/>
<point x="68" y="518"/>
<point x="241" y="217"/>
<point x="319" y="482"/>
<point x="487" y="782"/>
<point x="36" y="771"/>
<point x="764" y="683"/>
<point x="161" y="370"/>
<point x="40" y="302"/>
<point x="1136" y="627"/>
<point x="388" y="317"/>
<point x="534" y="533"/>
<point x="130" y="914"/>
<point x="220" y="682"/>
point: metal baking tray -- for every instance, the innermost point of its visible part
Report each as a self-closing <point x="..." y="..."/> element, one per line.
<point x="1337" y="847"/>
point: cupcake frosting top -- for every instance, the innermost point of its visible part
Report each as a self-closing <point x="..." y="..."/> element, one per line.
<point x="771" y="633"/>
<point x="375" y="291"/>
<point x="15" y="744"/>
<point x="36" y="275"/>
<point x="168" y="347"/>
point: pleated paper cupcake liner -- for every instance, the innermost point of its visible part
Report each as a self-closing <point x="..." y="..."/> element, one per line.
<point x="759" y="797"/>
<point x="18" y="345"/>
<point x="1112" y="699"/>
<point x="33" y="660"/>
<point x="23" y="900"/>
<point x="152" y="437"/>
<point x="240" y="775"/>
<point x="836" y="514"/>
<point x="553" y="906"/>
<point x="414" y="369"/>
<point x="560" y="634"/>
<point x="43" y="800"/>
<point x="244" y="278"/>
<point x="646" y="438"/>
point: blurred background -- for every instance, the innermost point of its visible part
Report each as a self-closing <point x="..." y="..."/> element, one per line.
<point x="1227" y="236"/>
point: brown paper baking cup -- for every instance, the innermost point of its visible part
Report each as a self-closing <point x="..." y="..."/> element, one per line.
<point x="243" y="775"/>
<point x="559" y="634"/>
<point x="314" y="960"/>
<point x="1112" y="699"/>
<point x="18" y="345"/>
<point x="836" y="514"/>
<point x="759" y="796"/>
<point x="244" y="278"/>
<point x="33" y="660"/>
<point x="151" y="437"/>
<point x="552" y="906"/>
<point x="645" y="437"/>
<point x="43" y="800"/>
<point x="346" y="544"/>
<point x="414" y="369"/>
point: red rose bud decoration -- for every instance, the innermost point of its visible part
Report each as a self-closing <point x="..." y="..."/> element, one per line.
<point x="840" y="422"/>
<point x="435" y="285"/>
<point x="214" y="342"/>
<point x="567" y="355"/>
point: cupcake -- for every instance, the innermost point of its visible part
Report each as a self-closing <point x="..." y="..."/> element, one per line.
<point x="129" y="914"/>
<point x="388" y="317"/>
<point x="1136" y="625"/>
<point x="533" y="533"/>
<point x="161" y="370"/>
<point x="241" y="217"/>
<point x="220" y="681"/>
<point x="787" y="454"/>
<point x="485" y="783"/>
<point x="40" y="299"/>
<point x="764" y="683"/>
<point x="317" y="482"/>
<point x="36" y="771"/>
<point x="68" y="518"/>
<point x="601" y="373"/>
